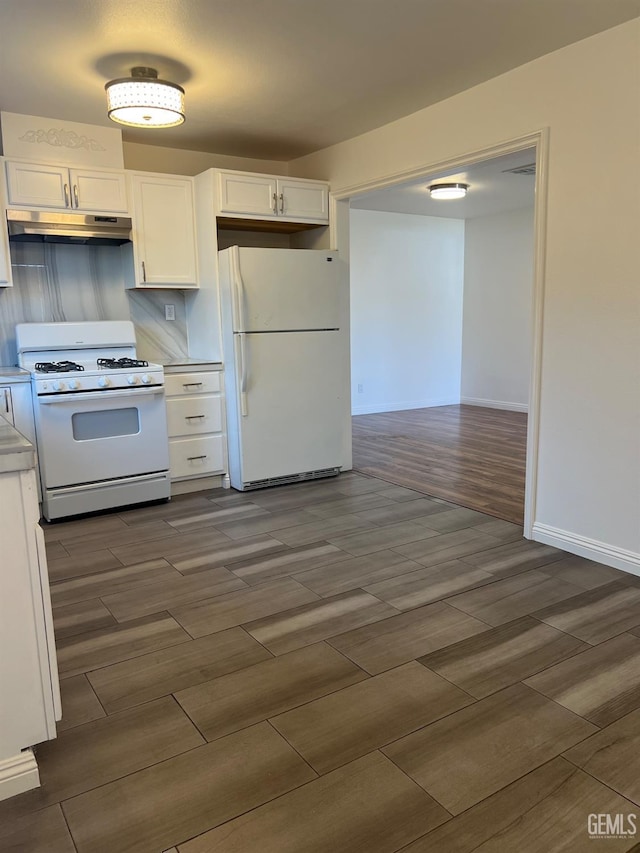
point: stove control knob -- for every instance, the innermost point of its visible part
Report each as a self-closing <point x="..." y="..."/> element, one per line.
<point x="131" y="379"/>
<point x="103" y="382"/>
<point x="146" y="379"/>
<point x="58" y="386"/>
<point x="74" y="384"/>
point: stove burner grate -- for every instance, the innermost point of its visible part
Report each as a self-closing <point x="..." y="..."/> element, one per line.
<point x="57" y="366"/>
<point x="115" y="363"/>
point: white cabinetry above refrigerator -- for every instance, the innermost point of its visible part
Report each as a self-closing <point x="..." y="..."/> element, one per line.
<point x="254" y="196"/>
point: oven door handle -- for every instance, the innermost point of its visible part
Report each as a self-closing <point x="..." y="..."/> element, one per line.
<point x="79" y="397"/>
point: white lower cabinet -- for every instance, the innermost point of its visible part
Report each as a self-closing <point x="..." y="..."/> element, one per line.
<point x="29" y="691"/>
<point x="195" y="418"/>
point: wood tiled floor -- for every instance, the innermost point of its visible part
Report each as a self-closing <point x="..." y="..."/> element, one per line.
<point x="347" y="666"/>
<point x="470" y="455"/>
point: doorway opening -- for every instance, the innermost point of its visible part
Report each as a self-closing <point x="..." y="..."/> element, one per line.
<point x="445" y="329"/>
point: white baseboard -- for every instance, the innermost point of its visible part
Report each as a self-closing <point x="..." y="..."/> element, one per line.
<point x="592" y="549"/>
<point x="18" y="774"/>
<point x="375" y="408"/>
<point x="494" y="404"/>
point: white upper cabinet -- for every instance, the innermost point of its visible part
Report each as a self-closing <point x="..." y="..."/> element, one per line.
<point x="164" y="235"/>
<point x="6" y="279"/>
<point x="253" y="196"/>
<point x="40" y="185"/>
<point x="306" y="201"/>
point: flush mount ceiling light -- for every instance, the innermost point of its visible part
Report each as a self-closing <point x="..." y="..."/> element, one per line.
<point x="448" y="190"/>
<point x="144" y="101"/>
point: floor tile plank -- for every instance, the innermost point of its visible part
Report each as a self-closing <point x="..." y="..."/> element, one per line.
<point x="473" y="753"/>
<point x="382" y="538"/>
<point x="110" y="582"/>
<point x="512" y="597"/>
<point x="601" y="684"/>
<point x="444" y="547"/>
<point x="544" y="812"/>
<point x="290" y="562"/>
<point x="85" y="652"/>
<point x="425" y="585"/>
<point x="112" y="747"/>
<point x="613" y="756"/>
<point x="513" y="558"/>
<point x="44" y="831"/>
<point x="598" y="614"/>
<point x="225" y="553"/>
<point x="88" y="542"/>
<point x="336" y="729"/>
<point x="173" y="591"/>
<point x="402" y="638"/>
<point x="61" y="568"/>
<point x="317" y="621"/>
<point x="79" y="703"/>
<point x="168" y="670"/>
<point x="185" y="796"/>
<point x="78" y="618"/>
<point x="502" y="656"/>
<point x="355" y="572"/>
<point x="253" y="694"/>
<point x="234" y="608"/>
<point x="369" y="805"/>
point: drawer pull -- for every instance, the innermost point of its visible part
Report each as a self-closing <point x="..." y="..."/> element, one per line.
<point x="192" y="384"/>
<point x="193" y="417"/>
<point x="192" y="458"/>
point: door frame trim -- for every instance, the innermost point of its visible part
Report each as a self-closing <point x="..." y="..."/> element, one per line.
<point x="339" y="239"/>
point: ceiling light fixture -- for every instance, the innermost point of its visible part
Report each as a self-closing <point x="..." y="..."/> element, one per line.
<point x="448" y="190"/>
<point x="144" y="101"/>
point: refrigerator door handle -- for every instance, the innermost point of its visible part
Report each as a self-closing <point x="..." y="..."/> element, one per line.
<point x="238" y="289"/>
<point x="242" y="372"/>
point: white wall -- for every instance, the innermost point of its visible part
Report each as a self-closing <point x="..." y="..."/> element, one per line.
<point x="496" y="336"/>
<point x="179" y="161"/>
<point x="588" y="493"/>
<point x="406" y="310"/>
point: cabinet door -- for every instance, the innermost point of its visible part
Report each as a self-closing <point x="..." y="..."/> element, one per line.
<point x="303" y="200"/>
<point x="247" y="195"/>
<point x="6" y="404"/>
<point x="102" y="191"/>
<point x="5" y="256"/>
<point x="164" y="232"/>
<point x="38" y="185"/>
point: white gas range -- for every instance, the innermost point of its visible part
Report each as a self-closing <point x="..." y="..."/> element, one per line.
<point x="101" y="424"/>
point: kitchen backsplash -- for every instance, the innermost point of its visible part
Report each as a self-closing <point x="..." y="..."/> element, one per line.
<point x="56" y="282"/>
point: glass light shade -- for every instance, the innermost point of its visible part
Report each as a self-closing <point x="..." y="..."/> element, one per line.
<point x="145" y="102"/>
<point x="449" y="191"/>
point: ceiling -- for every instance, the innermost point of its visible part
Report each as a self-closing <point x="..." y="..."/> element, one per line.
<point x="277" y="78"/>
<point x="493" y="188"/>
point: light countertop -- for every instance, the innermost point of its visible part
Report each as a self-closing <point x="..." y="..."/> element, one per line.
<point x="14" y="374"/>
<point x="16" y="453"/>
<point x="190" y="365"/>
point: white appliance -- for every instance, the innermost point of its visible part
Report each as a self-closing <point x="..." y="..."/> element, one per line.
<point x="283" y="365"/>
<point x="100" y="416"/>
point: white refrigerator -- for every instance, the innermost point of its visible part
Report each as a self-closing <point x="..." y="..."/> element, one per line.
<point x="284" y="367"/>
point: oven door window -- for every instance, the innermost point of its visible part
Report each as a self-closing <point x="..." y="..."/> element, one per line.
<point x="112" y="423"/>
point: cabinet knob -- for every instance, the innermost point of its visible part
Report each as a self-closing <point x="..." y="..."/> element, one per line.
<point x="66" y="195"/>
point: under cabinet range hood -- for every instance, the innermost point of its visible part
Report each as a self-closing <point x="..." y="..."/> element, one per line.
<point x="37" y="226"/>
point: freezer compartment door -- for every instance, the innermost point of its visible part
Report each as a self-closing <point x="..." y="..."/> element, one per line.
<point x="283" y="289"/>
<point x="293" y="413"/>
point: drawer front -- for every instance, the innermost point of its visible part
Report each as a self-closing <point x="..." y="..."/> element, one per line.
<point x="182" y="384"/>
<point x="195" y="415"/>
<point x="196" y="457"/>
